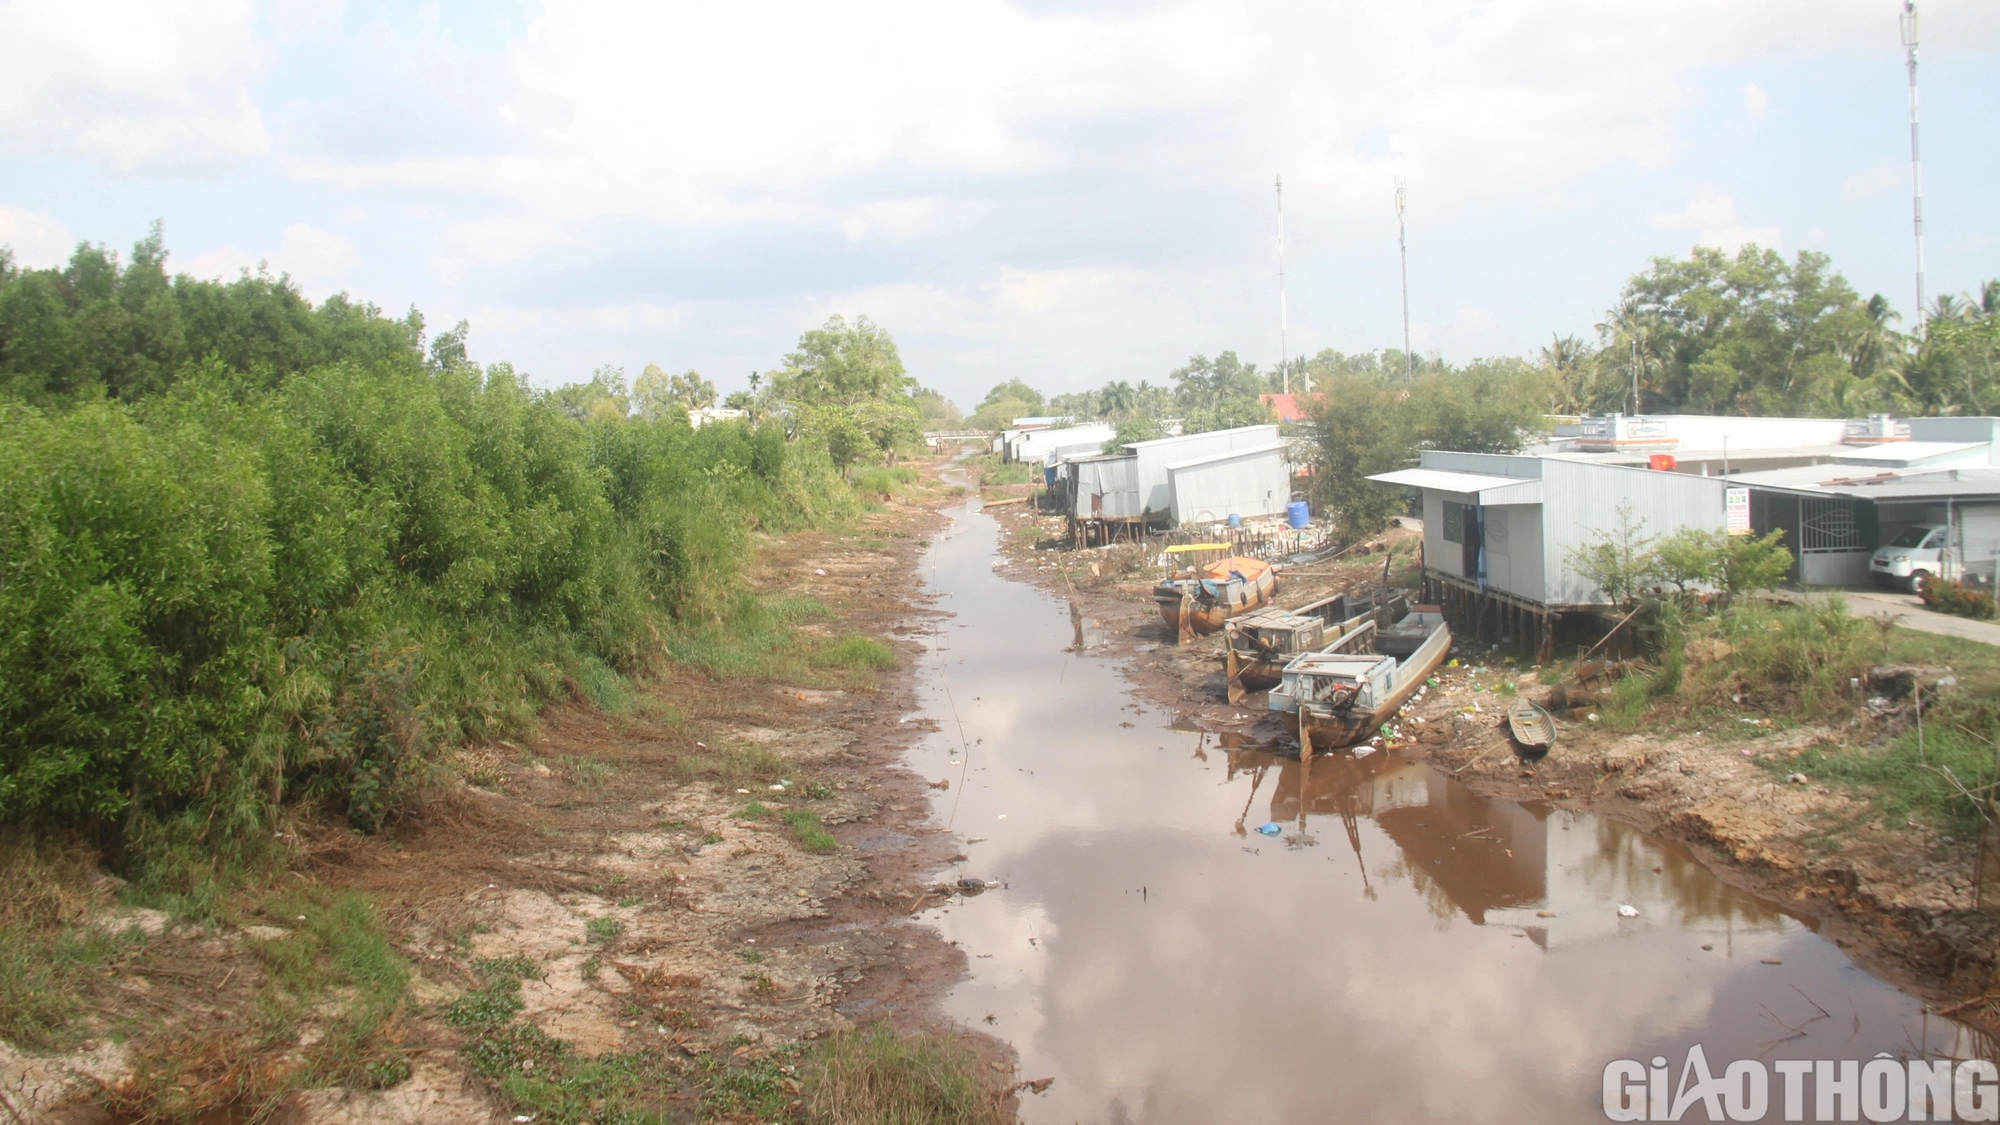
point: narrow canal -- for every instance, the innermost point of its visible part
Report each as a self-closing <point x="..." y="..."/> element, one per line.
<point x="1402" y="952"/>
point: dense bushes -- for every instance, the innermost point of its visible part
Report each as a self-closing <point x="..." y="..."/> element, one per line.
<point x="238" y="586"/>
<point x="1947" y="596"/>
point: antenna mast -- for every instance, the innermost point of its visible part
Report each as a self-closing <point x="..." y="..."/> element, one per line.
<point x="1403" y="248"/>
<point x="1908" y="22"/>
<point x="1284" y="350"/>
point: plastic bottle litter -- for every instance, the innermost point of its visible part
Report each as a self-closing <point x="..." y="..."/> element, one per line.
<point x="1268" y="829"/>
<point x="1627" y="910"/>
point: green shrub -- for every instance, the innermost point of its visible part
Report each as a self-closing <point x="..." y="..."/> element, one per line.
<point x="1947" y="596"/>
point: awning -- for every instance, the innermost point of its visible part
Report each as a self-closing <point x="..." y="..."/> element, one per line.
<point x="1517" y="490"/>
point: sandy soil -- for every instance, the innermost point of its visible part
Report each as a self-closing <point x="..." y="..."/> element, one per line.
<point x="1896" y="895"/>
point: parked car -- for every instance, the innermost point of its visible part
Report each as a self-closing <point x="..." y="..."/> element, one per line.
<point x="1912" y="558"/>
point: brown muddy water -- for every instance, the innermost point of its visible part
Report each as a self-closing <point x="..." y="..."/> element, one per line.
<point x="1401" y="950"/>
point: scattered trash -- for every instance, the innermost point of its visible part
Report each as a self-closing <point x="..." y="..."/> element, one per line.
<point x="1707" y="948"/>
<point x="745" y="792"/>
<point x="972" y="886"/>
<point x="777" y="789"/>
<point x="1268" y="829"/>
<point x="941" y="784"/>
<point x="1003" y="816"/>
<point x="524" y="1118"/>
<point x="1774" y="960"/>
<point x="1749" y="753"/>
<point x="1592" y="716"/>
<point x="1797" y="779"/>
<point x="1627" y="910"/>
<point x="1545" y="913"/>
<point x="818" y="571"/>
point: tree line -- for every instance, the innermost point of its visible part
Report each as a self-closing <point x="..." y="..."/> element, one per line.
<point x="1752" y="333"/>
<point x="256" y="549"/>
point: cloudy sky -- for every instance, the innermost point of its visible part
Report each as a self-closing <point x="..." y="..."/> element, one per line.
<point x="1068" y="192"/>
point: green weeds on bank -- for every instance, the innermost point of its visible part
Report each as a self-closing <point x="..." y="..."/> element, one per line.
<point x="868" y="1077"/>
<point x="1765" y="666"/>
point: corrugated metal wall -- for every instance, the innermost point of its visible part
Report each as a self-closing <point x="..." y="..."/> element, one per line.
<point x="1255" y="484"/>
<point x="1107" y="488"/>
<point x="1155" y="456"/>
<point x="1580" y="499"/>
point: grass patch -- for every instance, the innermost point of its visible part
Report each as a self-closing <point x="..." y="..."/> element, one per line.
<point x="735" y="765"/>
<point x="755" y="810"/>
<point x="858" y="653"/>
<point x="338" y="968"/>
<point x="605" y="688"/>
<point x="47" y="962"/>
<point x="45" y="976"/>
<point x="758" y="639"/>
<point x="882" y="481"/>
<point x="603" y="929"/>
<point x="584" y="773"/>
<point x="812" y="835"/>
<point x="877" y="1077"/>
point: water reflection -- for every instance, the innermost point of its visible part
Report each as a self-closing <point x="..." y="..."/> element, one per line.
<point x="1402" y="950"/>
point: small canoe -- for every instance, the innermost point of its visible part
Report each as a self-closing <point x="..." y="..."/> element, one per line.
<point x="1198" y="604"/>
<point x="1531" y="726"/>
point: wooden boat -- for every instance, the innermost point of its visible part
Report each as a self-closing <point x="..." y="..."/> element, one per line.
<point x="1531" y="726"/>
<point x="1260" y="643"/>
<point x="1198" y="604"/>
<point x="1342" y="696"/>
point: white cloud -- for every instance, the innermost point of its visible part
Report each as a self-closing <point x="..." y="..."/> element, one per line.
<point x="1882" y="178"/>
<point x="158" y="84"/>
<point x="36" y="239"/>
<point x="651" y="113"/>
<point x="320" y="261"/>
<point x="1707" y="207"/>
<point x="1712" y="215"/>
<point x="1755" y="101"/>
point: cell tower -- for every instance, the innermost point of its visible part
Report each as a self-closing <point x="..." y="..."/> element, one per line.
<point x="1908" y="20"/>
<point x="1284" y="351"/>
<point x="1403" y="248"/>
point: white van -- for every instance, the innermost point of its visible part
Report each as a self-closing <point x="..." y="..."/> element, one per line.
<point x="1912" y="558"/>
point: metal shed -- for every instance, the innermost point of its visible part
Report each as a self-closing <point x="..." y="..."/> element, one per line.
<point x="1243" y="482"/>
<point x="1107" y="488"/>
<point x="1154" y="457"/>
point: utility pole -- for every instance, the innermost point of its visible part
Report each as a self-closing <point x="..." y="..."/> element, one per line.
<point x="1284" y="351"/>
<point x="1908" y="22"/>
<point x="1403" y="249"/>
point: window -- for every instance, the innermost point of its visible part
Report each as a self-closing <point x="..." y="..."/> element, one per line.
<point x="1454" y="522"/>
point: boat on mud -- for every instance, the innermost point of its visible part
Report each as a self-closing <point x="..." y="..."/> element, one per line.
<point x="1344" y="693"/>
<point x="1260" y="643"/>
<point x="1199" y="603"/>
<point x="1532" y="727"/>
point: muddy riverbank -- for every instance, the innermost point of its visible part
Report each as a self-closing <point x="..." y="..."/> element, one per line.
<point x="682" y="888"/>
<point x="1896" y="898"/>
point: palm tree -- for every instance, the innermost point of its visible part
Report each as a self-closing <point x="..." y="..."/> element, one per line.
<point x="1117" y="400"/>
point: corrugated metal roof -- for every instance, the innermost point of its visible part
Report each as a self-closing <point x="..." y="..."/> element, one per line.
<point x="1450" y="480"/>
<point x="1214" y="457"/>
<point x="1886" y="484"/>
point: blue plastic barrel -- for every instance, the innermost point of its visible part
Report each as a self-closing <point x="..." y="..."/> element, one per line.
<point x="1297" y="514"/>
<point x="1235" y="520"/>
